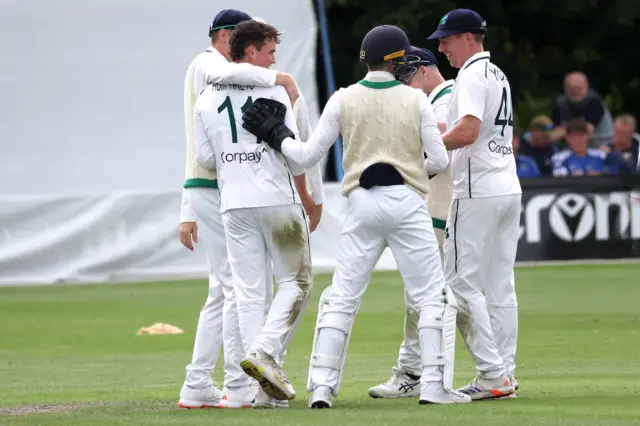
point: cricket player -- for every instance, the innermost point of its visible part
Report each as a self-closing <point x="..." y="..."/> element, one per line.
<point x="387" y="129"/>
<point x="420" y="70"/>
<point x="261" y="210"/>
<point x="482" y="228"/>
<point x="201" y="223"/>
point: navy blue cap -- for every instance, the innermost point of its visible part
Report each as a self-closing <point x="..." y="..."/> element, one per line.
<point x="459" y="21"/>
<point x="426" y="56"/>
<point x="384" y="43"/>
<point x="228" y="19"/>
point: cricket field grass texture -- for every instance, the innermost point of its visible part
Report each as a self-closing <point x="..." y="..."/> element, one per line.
<point x="70" y="355"/>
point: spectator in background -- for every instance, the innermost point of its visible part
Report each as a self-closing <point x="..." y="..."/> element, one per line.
<point x="623" y="152"/>
<point x="537" y="144"/>
<point x="526" y="167"/>
<point x="579" y="101"/>
<point x="579" y="159"/>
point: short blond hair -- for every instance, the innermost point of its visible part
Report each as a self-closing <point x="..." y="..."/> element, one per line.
<point x="627" y="120"/>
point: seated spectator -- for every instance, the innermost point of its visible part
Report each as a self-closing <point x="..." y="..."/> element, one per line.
<point x="579" y="159"/>
<point x="537" y="144"/>
<point x="579" y="101"/>
<point x="623" y="152"/>
<point x="526" y="167"/>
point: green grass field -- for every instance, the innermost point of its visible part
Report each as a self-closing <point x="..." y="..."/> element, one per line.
<point x="69" y="355"/>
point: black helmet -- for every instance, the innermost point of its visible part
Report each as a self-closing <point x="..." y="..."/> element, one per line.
<point x="384" y="43"/>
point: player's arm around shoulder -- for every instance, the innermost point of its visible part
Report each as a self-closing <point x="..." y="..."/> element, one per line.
<point x="325" y="134"/>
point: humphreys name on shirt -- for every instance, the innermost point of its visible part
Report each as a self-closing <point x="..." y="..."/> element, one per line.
<point x="500" y="149"/>
<point x="223" y="87"/>
<point x="242" y="157"/>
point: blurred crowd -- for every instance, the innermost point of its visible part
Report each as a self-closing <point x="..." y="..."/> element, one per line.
<point x="580" y="138"/>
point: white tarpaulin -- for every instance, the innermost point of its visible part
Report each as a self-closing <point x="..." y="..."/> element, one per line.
<point x="124" y="236"/>
<point x="92" y="135"/>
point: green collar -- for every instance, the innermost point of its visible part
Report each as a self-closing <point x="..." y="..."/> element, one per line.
<point x="379" y="84"/>
<point x="445" y="90"/>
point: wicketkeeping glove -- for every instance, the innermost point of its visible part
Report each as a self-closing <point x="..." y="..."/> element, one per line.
<point x="277" y="108"/>
<point x="265" y="122"/>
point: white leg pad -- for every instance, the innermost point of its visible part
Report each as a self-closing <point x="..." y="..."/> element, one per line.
<point x="446" y="323"/>
<point x="338" y="322"/>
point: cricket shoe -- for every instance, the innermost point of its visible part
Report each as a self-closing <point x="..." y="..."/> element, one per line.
<point x="434" y="393"/>
<point x="480" y="388"/>
<point x="269" y="374"/>
<point x="208" y="397"/>
<point x="400" y="385"/>
<point x="265" y="401"/>
<point x="238" y="398"/>
<point x="320" y="397"/>
<point x="514" y="382"/>
<point x="516" y="386"/>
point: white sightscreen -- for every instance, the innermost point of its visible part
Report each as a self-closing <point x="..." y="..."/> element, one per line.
<point x="92" y="145"/>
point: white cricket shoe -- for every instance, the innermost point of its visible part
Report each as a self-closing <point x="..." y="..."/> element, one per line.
<point x="434" y="393"/>
<point x="238" y="398"/>
<point x="480" y="388"/>
<point x="516" y="386"/>
<point x="265" y="401"/>
<point x="514" y="382"/>
<point x="398" y="386"/>
<point x="320" y="397"/>
<point x="269" y="374"/>
<point x="208" y="397"/>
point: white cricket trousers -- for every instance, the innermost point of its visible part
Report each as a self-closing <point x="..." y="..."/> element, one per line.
<point x="254" y="235"/>
<point x="438" y="203"/>
<point x="218" y="321"/>
<point x="396" y="217"/>
<point x="480" y="253"/>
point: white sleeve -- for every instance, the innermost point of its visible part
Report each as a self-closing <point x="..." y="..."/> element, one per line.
<point x="432" y="144"/>
<point x="308" y="154"/>
<point x="186" y="215"/>
<point x="472" y="95"/>
<point x="280" y="95"/>
<point x="314" y="174"/>
<point x="205" y="155"/>
<point x="440" y="109"/>
<point x="223" y="72"/>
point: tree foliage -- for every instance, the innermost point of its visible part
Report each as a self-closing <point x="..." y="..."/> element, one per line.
<point x="535" y="42"/>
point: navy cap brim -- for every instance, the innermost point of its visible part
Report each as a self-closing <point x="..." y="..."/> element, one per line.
<point x="443" y="33"/>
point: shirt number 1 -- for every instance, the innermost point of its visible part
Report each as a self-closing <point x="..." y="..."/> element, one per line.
<point x="232" y="118"/>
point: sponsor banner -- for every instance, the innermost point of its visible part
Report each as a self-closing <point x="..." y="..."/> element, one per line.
<point x="579" y="218"/>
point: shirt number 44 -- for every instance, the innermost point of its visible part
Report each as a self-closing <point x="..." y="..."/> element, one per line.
<point x="504" y="118"/>
<point x="232" y="118"/>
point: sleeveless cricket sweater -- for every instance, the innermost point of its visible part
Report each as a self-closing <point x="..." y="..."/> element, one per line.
<point x="380" y="123"/>
<point x="195" y="176"/>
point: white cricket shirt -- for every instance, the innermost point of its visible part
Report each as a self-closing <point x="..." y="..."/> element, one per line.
<point x="440" y="97"/>
<point x="211" y="66"/>
<point x="250" y="173"/>
<point x="486" y="168"/>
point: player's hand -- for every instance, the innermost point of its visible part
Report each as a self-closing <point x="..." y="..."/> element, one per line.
<point x="307" y="203"/>
<point x="314" y="217"/>
<point x="261" y="121"/>
<point x="442" y="126"/>
<point x="188" y="234"/>
<point x="289" y="84"/>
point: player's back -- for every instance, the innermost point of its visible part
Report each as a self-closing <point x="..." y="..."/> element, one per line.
<point x="486" y="168"/>
<point x="250" y="173"/>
